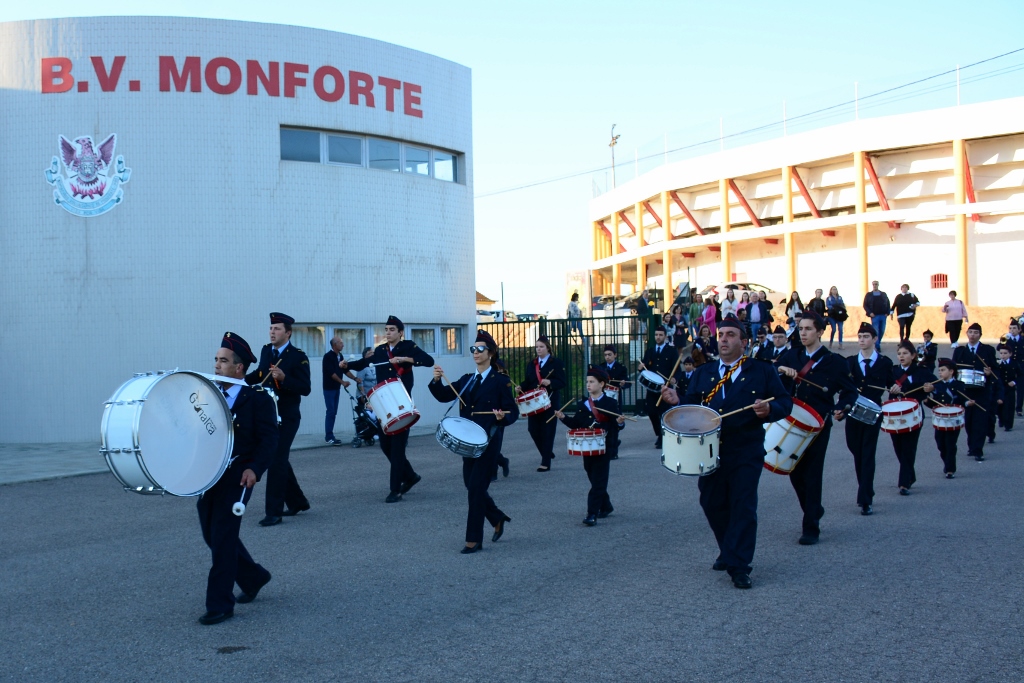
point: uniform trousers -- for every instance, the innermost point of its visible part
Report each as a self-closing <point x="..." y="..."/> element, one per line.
<point x="655" y="412"/>
<point x="476" y="475"/>
<point x="1007" y="411"/>
<point x="946" y="441"/>
<point x="231" y="561"/>
<point x="862" y="440"/>
<point x="543" y="434"/>
<point x="806" y="480"/>
<point x="905" y="446"/>
<point x="500" y="460"/>
<point x="728" y="497"/>
<point x="282" y="486"/>
<point x="597" y="467"/>
<point x="393" y="446"/>
<point x="976" y="424"/>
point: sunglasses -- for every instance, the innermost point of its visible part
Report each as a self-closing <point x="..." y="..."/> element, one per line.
<point x="477" y="349"/>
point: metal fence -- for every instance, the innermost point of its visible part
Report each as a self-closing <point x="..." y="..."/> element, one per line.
<point x="578" y="343"/>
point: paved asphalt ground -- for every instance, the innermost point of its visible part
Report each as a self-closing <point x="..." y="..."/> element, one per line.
<point x="100" y="585"/>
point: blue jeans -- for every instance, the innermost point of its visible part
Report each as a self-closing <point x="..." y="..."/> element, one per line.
<point x="878" y="322"/>
<point x="331" y="398"/>
<point x="833" y="323"/>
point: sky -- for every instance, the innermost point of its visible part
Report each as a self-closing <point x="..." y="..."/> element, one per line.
<point x="550" y="79"/>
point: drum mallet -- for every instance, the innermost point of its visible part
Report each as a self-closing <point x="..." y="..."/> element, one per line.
<point x="752" y="405"/>
<point x="560" y="410"/>
<point x="239" y="507"/>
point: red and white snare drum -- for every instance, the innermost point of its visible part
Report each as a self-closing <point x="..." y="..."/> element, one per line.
<point x="393" y="406"/>
<point x="586" y="441"/>
<point x="786" y="440"/>
<point x="533" y="402"/>
<point x="901" y="416"/>
<point x="947" y="418"/>
<point x="611" y="392"/>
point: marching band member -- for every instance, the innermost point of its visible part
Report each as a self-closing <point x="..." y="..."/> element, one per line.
<point x="256" y="435"/>
<point x="544" y="371"/>
<point x="1007" y="372"/>
<point x="774" y="352"/>
<point x="826" y="374"/>
<point x="617" y="373"/>
<point x="728" y="495"/>
<point x="396" y="357"/>
<point x="947" y="391"/>
<point x="761" y="343"/>
<point x="929" y="352"/>
<point x="980" y="357"/>
<point x="1016" y="343"/>
<point x="907" y="377"/>
<point x="687" y="374"/>
<point x="487" y="400"/>
<point x="589" y="415"/>
<point x="660" y="358"/>
<point x="285" y="368"/>
<point x="869" y="370"/>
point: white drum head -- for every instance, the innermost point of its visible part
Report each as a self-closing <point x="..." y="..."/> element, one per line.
<point x="185" y="433"/>
<point x="465" y="430"/>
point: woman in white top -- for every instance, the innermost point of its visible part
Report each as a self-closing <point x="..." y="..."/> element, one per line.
<point x="794" y="306"/>
<point x="956" y="315"/>
<point x="729" y="305"/>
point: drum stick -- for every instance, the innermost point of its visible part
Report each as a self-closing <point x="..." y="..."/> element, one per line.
<point x="453" y="389"/>
<point x="560" y="410"/>
<point x="671" y="374"/>
<point x="483" y="412"/>
<point x="733" y="412"/>
<point x="976" y="404"/>
<point x="913" y="390"/>
<point x="807" y="381"/>
<point x="632" y="419"/>
<point x="872" y="386"/>
<point x="270" y="374"/>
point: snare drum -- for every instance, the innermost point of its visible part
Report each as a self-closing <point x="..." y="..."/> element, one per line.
<point x="865" y="410"/>
<point x="786" y="441"/>
<point x="690" y="438"/>
<point x="462" y="437"/>
<point x="651" y="381"/>
<point x="167" y="433"/>
<point x="611" y="392"/>
<point x="393" y="406"/>
<point x="586" y="441"/>
<point x="533" y="402"/>
<point x="972" y="378"/>
<point x="901" y="416"/>
<point x="947" y="418"/>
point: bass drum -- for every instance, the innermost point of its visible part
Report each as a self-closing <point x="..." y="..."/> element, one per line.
<point x="167" y="432"/>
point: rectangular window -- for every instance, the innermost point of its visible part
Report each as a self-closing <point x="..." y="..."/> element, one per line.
<point x="354" y="339"/>
<point x="417" y="161"/>
<point x="424" y="338"/>
<point x="378" y="335"/>
<point x="452" y="339"/>
<point x="344" y="150"/>
<point x="445" y="167"/>
<point x="309" y="339"/>
<point x="384" y="155"/>
<point x="940" y="281"/>
<point x="300" y="145"/>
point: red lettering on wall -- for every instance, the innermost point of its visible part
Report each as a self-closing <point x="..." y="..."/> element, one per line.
<point x="360" y="84"/>
<point x="108" y="81"/>
<point x="291" y="78"/>
<point x="411" y="93"/>
<point x="56" y="74"/>
<point x="390" y="86"/>
<point x="319" y="87"/>
<point x="189" y="73"/>
<point x="254" y="75"/>
<point x="234" y="75"/>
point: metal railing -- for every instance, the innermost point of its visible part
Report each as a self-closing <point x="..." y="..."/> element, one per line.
<point x="578" y="343"/>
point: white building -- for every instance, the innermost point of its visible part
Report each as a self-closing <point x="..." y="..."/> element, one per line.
<point x="254" y="168"/>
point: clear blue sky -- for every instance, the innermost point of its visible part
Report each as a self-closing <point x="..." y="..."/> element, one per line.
<point x="549" y="79"/>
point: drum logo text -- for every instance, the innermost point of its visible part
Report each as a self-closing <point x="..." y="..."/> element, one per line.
<point x="203" y="417"/>
<point x="86" y="178"/>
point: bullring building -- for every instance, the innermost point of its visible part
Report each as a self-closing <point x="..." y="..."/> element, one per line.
<point x="168" y="179"/>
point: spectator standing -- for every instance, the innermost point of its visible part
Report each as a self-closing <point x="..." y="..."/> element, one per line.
<point x="708" y="317"/>
<point x="835" y="307"/>
<point x="334" y="380"/>
<point x="366" y="378"/>
<point x="696" y="311"/>
<point x="729" y="304"/>
<point x="575" y="315"/>
<point x="877" y="307"/>
<point x="817" y="304"/>
<point x="744" y="301"/>
<point x="682" y="326"/>
<point x="668" y="321"/>
<point x="905" y="306"/>
<point x="757" y="312"/>
<point x="794" y="306"/>
<point x="956" y="316"/>
<point x="643" y="312"/>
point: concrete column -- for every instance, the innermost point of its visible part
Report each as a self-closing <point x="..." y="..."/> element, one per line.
<point x="787" y="219"/>
<point x="638" y="216"/>
<point x="666" y="254"/>
<point x="862" y="228"/>
<point x="616" y="248"/>
<point x="641" y="274"/>
<point x="962" y="282"/>
<point x="723" y="191"/>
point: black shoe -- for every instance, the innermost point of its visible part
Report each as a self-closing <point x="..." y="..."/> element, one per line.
<point x="991" y="439"/>
<point x="406" y="485"/>
<point x="619" y="442"/>
<point x="950" y="475"/>
<point x="291" y="513"/>
<point x="469" y="551"/>
<point x="504" y="468"/>
<point x="614" y="457"/>
<point x="807" y="539"/>
<point x="1020" y="413"/>
<point x="904" y="492"/>
<point x="542" y="468"/>
<point x="719" y="565"/>
<point x="979" y="458"/>
<point x="604" y="513"/>
<point x="331" y="441"/>
<point x="591" y="520"/>
<point x="270" y="520"/>
<point x="500" y="529"/>
<point x="211" y="618"/>
<point x="657" y="444"/>
<point x="866" y="510"/>
<point x="1008" y="429"/>
<point x="246" y="598"/>
<point x="741" y="580"/>
<point x="393" y="497"/>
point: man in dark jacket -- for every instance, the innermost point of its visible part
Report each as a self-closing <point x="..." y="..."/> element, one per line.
<point x="877" y="307"/>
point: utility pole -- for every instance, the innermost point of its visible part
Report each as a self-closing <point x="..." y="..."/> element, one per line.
<point x="615" y="139"/>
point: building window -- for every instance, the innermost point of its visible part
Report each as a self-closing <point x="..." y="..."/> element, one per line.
<point x="940" y="281"/>
<point x="384" y="155"/>
<point x="354" y="339"/>
<point x="308" y="338"/>
<point x="300" y="145"/>
<point x="452" y="339"/>
<point x="445" y="167"/>
<point x="417" y="160"/>
<point x="344" y="150"/>
<point x="424" y="338"/>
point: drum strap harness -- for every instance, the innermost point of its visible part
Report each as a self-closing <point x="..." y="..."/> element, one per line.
<point x="721" y="382"/>
<point x="595" y="412"/>
<point x="536" y="368"/>
<point x="400" y="370"/>
<point x="904" y="378"/>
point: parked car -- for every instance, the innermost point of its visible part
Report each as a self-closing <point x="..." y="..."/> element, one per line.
<point x="530" y="316"/>
<point x="719" y="291"/>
